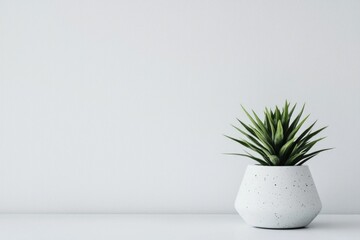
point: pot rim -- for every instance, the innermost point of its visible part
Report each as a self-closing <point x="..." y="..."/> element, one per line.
<point x="266" y="166"/>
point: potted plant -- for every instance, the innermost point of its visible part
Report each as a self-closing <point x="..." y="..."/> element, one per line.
<point x="278" y="191"/>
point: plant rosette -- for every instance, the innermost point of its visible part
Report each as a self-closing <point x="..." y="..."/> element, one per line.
<point x="279" y="191"/>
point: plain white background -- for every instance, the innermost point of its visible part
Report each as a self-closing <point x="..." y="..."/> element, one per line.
<point x="120" y="106"/>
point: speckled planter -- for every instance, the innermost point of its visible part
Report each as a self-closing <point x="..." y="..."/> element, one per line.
<point x="278" y="197"/>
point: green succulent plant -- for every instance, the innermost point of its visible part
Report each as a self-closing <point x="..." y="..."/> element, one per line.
<point x="277" y="139"/>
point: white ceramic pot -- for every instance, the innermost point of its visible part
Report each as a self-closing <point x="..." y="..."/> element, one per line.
<point x="278" y="197"/>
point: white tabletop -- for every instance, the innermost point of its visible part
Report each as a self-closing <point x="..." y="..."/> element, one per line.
<point x="166" y="226"/>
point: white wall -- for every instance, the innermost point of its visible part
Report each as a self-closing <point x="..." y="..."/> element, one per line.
<point x="120" y="106"/>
